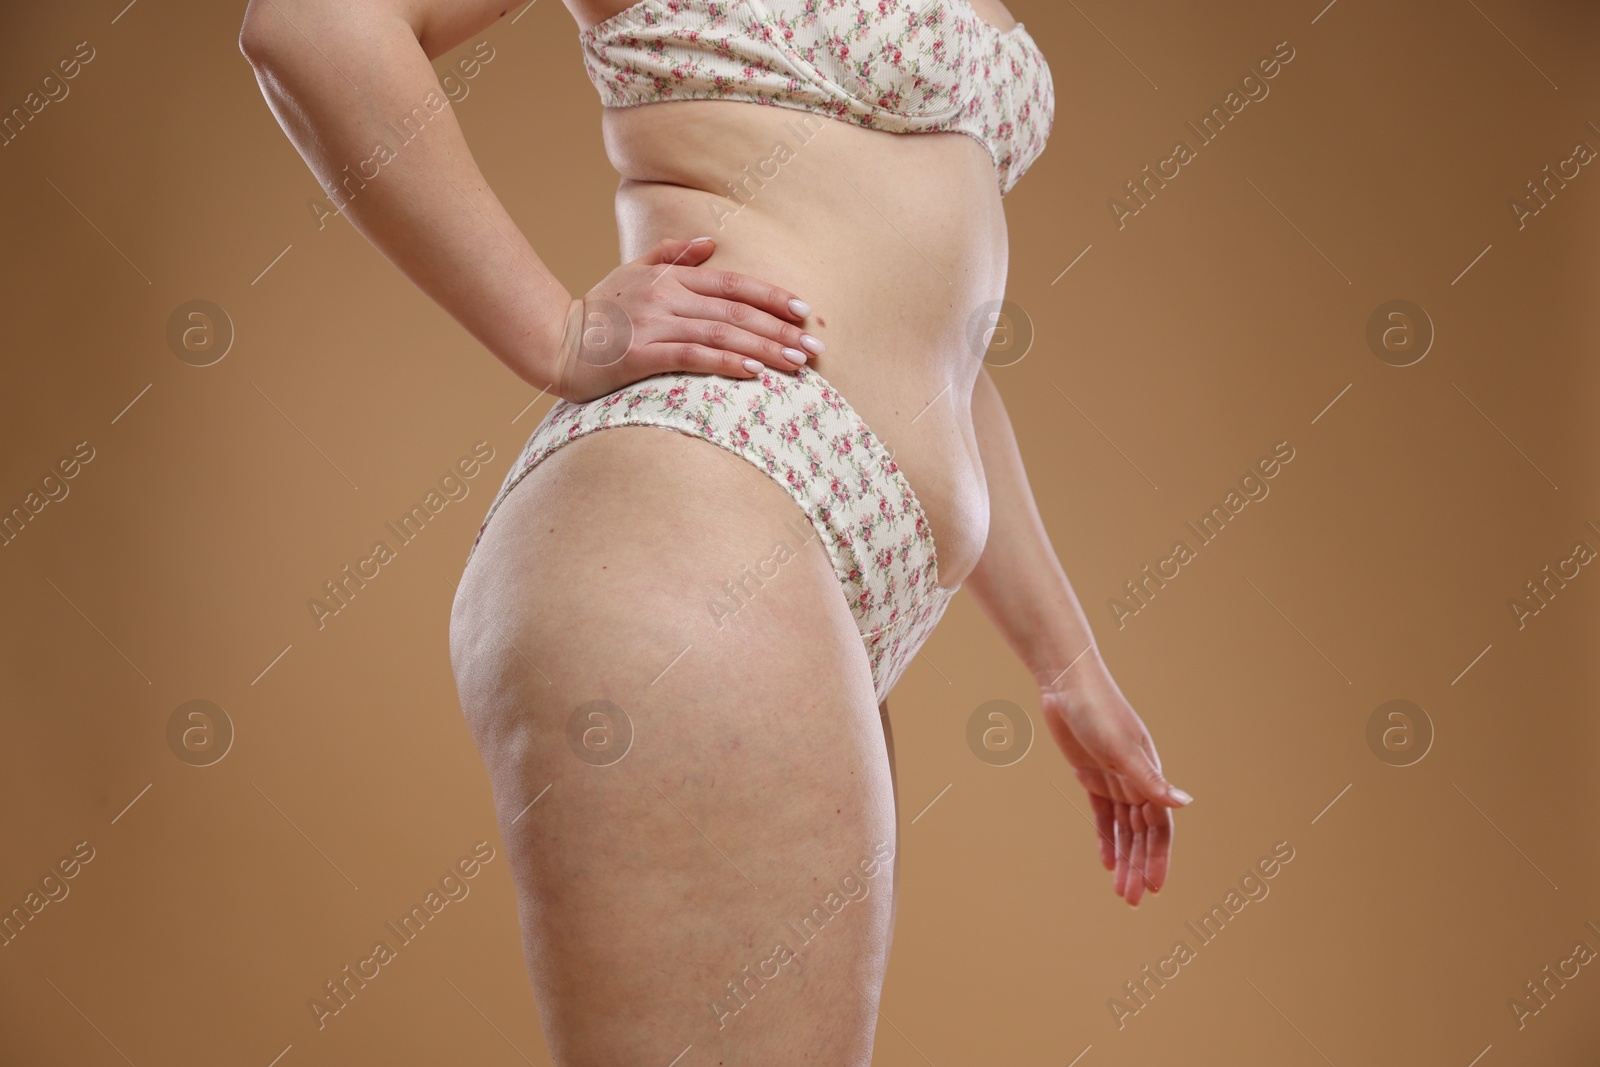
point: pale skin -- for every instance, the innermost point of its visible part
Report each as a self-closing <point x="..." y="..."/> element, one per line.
<point x="761" y="768"/>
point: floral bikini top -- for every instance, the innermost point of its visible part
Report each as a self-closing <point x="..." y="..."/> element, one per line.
<point x="881" y="64"/>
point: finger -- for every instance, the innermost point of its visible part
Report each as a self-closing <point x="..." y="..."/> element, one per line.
<point x="1136" y="855"/>
<point x="1105" y="827"/>
<point x="707" y="325"/>
<point x="671" y="251"/>
<point x="662" y="356"/>
<point x="1093" y="779"/>
<point x="1158" y="844"/>
<point x="731" y="285"/>
<point x="1136" y="763"/>
<point x="1120" y="881"/>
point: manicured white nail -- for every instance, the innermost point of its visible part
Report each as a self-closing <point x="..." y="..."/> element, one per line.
<point x="698" y="240"/>
<point x="794" y="355"/>
<point x="1179" y="795"/>
<point x="752" y="365"/>
<point x="800" y="307"/>
<point x="811" y="344"/>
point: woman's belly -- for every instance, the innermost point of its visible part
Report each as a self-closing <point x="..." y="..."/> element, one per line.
<point x="897" y="241"/>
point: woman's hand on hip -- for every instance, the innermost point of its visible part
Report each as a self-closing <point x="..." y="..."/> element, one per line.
<point x="1116" y="763"/>
<point x="665" y="312"/>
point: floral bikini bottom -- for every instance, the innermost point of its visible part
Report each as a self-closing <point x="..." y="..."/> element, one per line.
<point x="803" y="435"/>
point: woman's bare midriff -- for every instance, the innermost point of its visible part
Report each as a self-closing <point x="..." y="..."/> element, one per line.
<point x="897" y="241"/>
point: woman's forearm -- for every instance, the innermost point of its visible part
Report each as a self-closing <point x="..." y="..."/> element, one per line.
<point x="365" y="109"/>
<point x="1018" y="580"/>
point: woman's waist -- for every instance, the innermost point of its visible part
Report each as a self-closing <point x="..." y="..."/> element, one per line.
<point x="903" y="271"/>
<point x="921" y="208"/>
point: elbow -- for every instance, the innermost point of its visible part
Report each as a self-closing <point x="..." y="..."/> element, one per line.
<point x="259" y="40"/>
<point x="271" y="34"/>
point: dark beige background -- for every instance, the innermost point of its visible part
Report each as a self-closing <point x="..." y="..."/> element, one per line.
<point x="1227" y="316"/>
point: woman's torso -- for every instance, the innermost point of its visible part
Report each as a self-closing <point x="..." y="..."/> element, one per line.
<point x="898" y="242"/>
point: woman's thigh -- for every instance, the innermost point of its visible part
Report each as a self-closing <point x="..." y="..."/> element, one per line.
<point x="726" y="883"/>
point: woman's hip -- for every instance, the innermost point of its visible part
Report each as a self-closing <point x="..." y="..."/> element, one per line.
<point x="853" y="501"/>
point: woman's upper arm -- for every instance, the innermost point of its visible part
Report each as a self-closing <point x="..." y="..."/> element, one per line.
<point x="439" y="25"/>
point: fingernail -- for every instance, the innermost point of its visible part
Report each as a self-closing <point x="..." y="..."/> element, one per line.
<point x="811" y="344"/>
<point x="698" y="240"/>
<point x="752" y="365"/>
<point x="800" y="307"/>
<point x="794" y="355"/>
<point x="1179" y="795"/>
